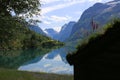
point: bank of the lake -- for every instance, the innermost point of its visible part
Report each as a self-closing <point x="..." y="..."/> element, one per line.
<point x="9" y="74"/>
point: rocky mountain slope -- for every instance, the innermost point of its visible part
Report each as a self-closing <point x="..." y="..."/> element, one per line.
<point x="64" y="33"/>
<point x="36" y="29"/>
<point x="52" y="33"/>
<point x="100" y="13"/>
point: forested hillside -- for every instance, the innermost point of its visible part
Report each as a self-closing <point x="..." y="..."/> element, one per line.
<point x="14" y="35"/>
<point x="18" y="43"/>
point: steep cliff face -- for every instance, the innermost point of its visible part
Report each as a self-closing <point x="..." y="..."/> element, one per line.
<point x="100" y="13"/>
<point x="66" y="31"/>
<point x="52" y="33"/>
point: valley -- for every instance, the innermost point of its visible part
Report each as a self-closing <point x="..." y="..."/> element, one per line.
<point x="27" y="52"/>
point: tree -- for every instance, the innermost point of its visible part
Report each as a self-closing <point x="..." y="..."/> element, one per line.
<point x="26" y="8"/>
<point x="13" y="28"/>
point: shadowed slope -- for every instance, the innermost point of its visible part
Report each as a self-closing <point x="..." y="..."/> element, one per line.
<point x="99" y="58"/>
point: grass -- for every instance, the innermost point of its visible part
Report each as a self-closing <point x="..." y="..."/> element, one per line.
<point x="8" y="74"/>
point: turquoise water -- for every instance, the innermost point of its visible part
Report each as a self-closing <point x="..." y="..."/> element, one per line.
<point x="52" y="62"/>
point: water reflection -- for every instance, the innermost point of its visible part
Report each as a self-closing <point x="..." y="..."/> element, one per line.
<point x="15" y="58"/>
<point x="53" y="62"/>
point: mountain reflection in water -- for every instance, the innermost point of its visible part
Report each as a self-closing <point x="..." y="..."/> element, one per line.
<point x="52" y="62"/>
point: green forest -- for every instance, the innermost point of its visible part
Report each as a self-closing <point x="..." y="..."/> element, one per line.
<point x="18" y="43"/>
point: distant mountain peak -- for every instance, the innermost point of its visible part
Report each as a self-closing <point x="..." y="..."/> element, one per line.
<point x="50" y="30"/>
<point x="98" y="4"/>
<point x="51" y="33"/>
<point x="64" y="33"/>
<point x="63" y="27"/>
<point x="57" y="58"/>
<point x="37" y="29"/>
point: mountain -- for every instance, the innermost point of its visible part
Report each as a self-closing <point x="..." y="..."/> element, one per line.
<point x="100" y="13"/>
<point x="98" y="57"/>
<point x="36" y="29"/>
<point x="65" y="32"/>
<point x="52" y="33"/>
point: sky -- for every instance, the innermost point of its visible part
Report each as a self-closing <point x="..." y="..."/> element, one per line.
<point x="56" y="13"/>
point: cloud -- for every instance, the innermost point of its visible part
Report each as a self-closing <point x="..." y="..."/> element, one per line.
<point x="54" y="18"/>
<point x="60" y="18"/>
<point x="48" y="1"/>
<point x="52" y="1"/>
<point x="53" y="21"/>
<point x="46" y="22"/>
<point x="95" y="0"/>
<point x="57" y="28"/>
<point x="60" y="6"/>
<point x="78" y="12"/>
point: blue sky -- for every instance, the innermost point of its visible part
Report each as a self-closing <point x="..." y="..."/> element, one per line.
<point x="55" y="13"/>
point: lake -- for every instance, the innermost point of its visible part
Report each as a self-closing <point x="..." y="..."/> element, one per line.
<point x="52" y="62"/>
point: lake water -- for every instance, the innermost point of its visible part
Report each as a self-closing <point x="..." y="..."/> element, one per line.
<point x="52" y="62"/>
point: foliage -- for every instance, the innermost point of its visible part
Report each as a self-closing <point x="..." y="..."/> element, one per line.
<point x="50" y="43"/>
<point x="15" y="37"/>
<point x="26" y="7"/>
<point x="15" y="34"/>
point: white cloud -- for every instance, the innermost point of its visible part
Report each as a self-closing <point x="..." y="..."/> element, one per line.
<point x="95" y="0"/>
<point x="46" y="22"/>
<point x="78" y="12"/>
<point x="60" y="6"/>
<point x="60" y="18"/>
<point x="54" y="18"/>
<point x="52" y="1"/>
<point x="48" y="1"/>
<point x="57" y="28"/>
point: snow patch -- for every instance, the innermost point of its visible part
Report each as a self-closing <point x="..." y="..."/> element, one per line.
<point x="58" y="58"/>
